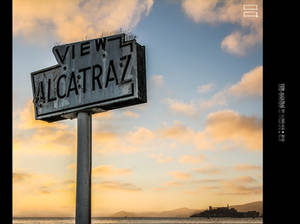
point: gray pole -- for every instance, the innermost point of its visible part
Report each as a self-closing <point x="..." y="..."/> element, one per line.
<point x="84" y="164"/>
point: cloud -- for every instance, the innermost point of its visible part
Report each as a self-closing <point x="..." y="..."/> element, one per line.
<point x="249" y="85"/>
<point x="72" y="166"/>
<point x="127" y="142"/>
<point x="231" y="11"/>
<point x="109" y="170"/>
<point x="188" y="181"/>
<point x="243" y="179"/>
<point x="218" y="99"/>
<point x="52" y="141"/>
<point x="107" y="115"/>
<point x="208" y="170"/>
<point x="73" y="20"/>
<point x="178" y="106"/>
<point x="188" y="159"/>
<point x="26" y="119"/>
<point x="19" y="177"/>
<point x="114" y="185"/>
<point x="243" y="185"/>
<point x="200" y="10"/>
<point x="177" y="131"/>
<point x="35" y="183"/>
<point x="172" y="184"/>
<point x="204" y="88"/>
<point x="41" y="194"/>
<point x="59" y="138"/>
<point x="186" y="136"/>
<point x="40" y="136"/>
<point x="161" y="158"/>
<point x="131" y="114"/>
<point x="221" y="127"/>
<point x="141" y="136"/>
<point x="239" y="43"/>
<point x="157" y="80"/>
<point x="102" y="137"/>
<point x="240" y="186"/>
<point x="246" y="167"/>
<point x="242" y="130"/>
<point x="179" y="175"/>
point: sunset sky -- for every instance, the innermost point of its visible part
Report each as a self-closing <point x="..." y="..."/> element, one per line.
<point x="196" y="142"/>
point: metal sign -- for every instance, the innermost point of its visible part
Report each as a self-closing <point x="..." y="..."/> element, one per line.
<point x="93" y="76"/>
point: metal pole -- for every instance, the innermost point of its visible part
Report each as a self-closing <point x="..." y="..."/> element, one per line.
<point x="84" y="164"/>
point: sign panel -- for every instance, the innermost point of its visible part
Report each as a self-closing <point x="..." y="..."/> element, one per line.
<point x="93" y="75"/>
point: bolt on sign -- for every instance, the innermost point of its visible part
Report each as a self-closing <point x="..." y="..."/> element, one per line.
<point x="92" y="75"/>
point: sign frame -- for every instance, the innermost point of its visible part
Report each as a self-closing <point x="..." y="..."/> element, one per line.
<point x="137" y="95"/>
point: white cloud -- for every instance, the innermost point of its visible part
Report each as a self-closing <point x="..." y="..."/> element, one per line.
<point x="230" y="11"/>
<point x="73" y="20"/>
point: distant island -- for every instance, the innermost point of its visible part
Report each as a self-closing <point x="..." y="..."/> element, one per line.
<point x="187" y="212"/>
<point x="226" y="212"/>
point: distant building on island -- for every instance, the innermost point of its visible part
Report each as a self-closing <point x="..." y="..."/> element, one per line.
<point x="226" y="212"/>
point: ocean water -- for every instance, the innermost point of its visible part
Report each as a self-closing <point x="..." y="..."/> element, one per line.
<point x="141" y="220"/>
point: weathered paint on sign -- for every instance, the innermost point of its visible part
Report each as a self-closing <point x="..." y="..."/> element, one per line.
<point x="93" y="75"/>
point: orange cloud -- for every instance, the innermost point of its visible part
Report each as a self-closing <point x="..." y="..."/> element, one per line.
<point x="141" y="136"/>
<point x="73" y="20"/>
<point x="122" y="142"/>
<point x="243" y="179"/>
<point x="179" y="175"/>
<point x="181" y="107"/>
<point x="104" y="115"/>
<point x="161" y="158"/>
<point x="38" y="194"/>
<point x="240" y="186"/>
<point x="229" y="125"/>
<point x="101" y="137"/>
<point x="208" y="170"/>
<point x="114" y="185"/>
<point x="47" y="141"/>
<point x="185" y="135"/>
<point x="40" y="136"/>
<point x="190" y="159"/>
<point x="250" y="84"/>
<point x="221" y="127"/>
<point x="109" y="170"/>
<point x="131" y="114"/>
<point x="25" y="119"/>
<point x="246" y="167"/>
<point x="19" y="177"/>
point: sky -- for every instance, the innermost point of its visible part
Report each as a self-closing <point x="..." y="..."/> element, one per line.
<point x="196" y="142"/>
